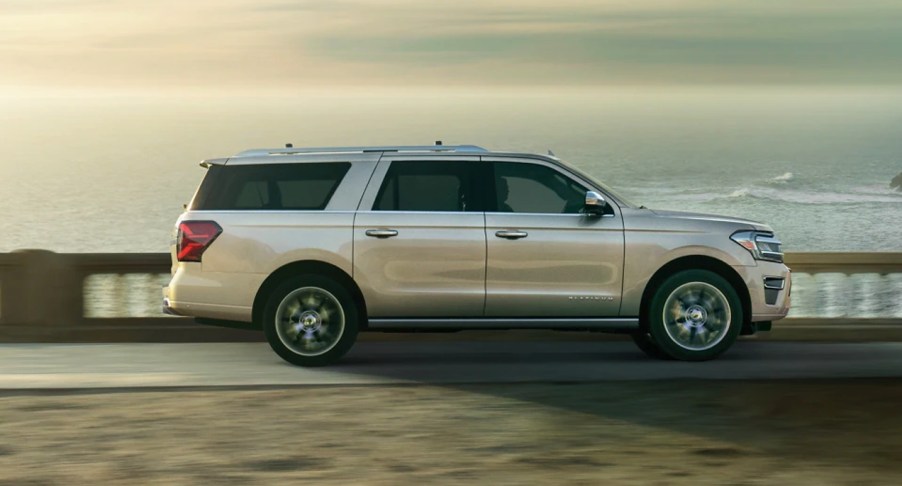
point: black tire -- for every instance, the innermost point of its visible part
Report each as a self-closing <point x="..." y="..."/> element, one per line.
<point x="647" y="344"/>
<point x="335" y="302"/>
<point x="705" y="303"/>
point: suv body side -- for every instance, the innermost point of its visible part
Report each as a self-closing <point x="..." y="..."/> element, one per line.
<point x="452" y="264"/>
<point x="455" y="263"/>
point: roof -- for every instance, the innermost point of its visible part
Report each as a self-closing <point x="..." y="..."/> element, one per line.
<point x="391" y="148"/>
<point x="259" y="155"/>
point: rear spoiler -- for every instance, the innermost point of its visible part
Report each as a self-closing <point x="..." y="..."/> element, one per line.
<point x="208" y="162"/>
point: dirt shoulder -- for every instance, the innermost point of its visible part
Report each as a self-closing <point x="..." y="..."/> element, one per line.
<point x="690" y="432"/>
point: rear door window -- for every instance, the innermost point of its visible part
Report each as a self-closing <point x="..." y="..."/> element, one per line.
<point x="286" y="187"/>
<point x="430" y="186"/>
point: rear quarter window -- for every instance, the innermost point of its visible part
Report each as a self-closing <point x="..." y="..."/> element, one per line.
<point x="286" y="187"/>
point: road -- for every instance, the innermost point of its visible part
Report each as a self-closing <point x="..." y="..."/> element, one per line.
<point x="427" y="412"/>
<point x="134" y="365"/>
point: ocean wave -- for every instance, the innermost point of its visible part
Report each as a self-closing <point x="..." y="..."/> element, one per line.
<point x="875" y="189"/>
<point x="767" y="190"/>
<point x="741" y="192"/>
<point x="811" y="197"/>
<point x="783" y="178"/>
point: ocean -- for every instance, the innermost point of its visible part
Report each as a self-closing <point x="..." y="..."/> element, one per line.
<point x="110" y="172"/>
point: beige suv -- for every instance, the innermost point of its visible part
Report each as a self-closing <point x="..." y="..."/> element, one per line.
<point x="317" y="244"/>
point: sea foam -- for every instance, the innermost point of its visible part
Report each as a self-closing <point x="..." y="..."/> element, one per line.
<point x="784" y="177"/>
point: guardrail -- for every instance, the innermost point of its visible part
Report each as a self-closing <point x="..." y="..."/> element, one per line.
<point x="846" y="263"/>
<point x="83" y="297"/>
<point x="843" y="296"/>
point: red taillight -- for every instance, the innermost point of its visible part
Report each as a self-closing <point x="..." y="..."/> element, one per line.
<point x="194" y="238"/>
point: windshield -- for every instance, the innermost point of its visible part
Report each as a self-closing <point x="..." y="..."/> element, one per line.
<point x="616" y="195"/>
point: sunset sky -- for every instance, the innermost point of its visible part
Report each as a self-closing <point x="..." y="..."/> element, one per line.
<point x="282" y="44"/>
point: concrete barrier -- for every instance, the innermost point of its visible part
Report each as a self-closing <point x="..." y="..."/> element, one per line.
<point x="43" y="299"/>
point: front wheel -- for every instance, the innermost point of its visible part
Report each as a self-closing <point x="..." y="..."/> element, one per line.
<point x="695" y="315"/>
<point x="310" y="320"/>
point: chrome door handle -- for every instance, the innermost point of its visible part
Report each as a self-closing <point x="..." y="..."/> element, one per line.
<point x="511" y="235"/>
<point x="381" y="233"/>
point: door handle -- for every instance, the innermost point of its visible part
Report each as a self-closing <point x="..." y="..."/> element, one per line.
<point x="381" y="233"/>
<point x="511" y="235"/>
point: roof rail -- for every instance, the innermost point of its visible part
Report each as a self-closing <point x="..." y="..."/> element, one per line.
<point x="394" y="148"/>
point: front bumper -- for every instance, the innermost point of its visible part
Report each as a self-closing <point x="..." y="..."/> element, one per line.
<point x="770" y="288"/>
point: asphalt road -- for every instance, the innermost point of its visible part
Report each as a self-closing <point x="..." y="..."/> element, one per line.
<point x="133" y="365"/>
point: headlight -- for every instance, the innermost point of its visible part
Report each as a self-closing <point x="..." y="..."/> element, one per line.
<point x="762" y="246"/>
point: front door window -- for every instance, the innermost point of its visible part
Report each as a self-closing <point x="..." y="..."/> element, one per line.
<point x="533" y="188"/>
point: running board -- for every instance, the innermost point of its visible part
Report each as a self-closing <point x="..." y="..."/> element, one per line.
<point x="463" y="323"/>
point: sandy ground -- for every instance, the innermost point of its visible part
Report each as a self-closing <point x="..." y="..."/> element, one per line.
<point x="689" y="432"/>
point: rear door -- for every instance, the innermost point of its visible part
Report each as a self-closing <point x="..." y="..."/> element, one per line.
<point x="545" y="258"/>
<point x="419" y="238"/>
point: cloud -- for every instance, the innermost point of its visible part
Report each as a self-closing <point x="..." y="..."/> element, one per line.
<point x="286" y="44"/>
<point x="719" y="42"/>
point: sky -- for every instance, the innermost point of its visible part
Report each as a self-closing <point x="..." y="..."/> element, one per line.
<point x="295" y="44"/>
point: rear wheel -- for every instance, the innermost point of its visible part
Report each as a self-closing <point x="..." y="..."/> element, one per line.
<point x="310" y="320"/>
<point x="695" y="315"/>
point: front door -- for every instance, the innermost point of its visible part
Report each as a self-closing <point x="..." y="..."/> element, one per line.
<point x="545" y="258"/>
<point x="419" y="239"/>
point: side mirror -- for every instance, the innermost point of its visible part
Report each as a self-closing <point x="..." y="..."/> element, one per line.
<point x="595" y="204"/>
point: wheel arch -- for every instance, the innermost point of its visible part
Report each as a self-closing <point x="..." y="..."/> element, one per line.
<point x="699" y="262"/>
<point x="303" y="267"/>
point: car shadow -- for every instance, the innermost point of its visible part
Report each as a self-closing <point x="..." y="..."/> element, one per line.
<point x="613" y="383"/>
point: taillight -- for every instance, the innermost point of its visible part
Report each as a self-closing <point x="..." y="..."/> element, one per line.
<point x="194" y="238"/>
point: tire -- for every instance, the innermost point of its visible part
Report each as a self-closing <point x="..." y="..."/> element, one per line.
<point x="310" y="320"/>
<point x="695" y="315"/>
<point x="647" y="344"/>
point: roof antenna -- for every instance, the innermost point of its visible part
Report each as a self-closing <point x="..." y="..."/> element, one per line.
<point x="551" y="153"/>
<point x="288" y="145"/>
<point x="438" y="142"/>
